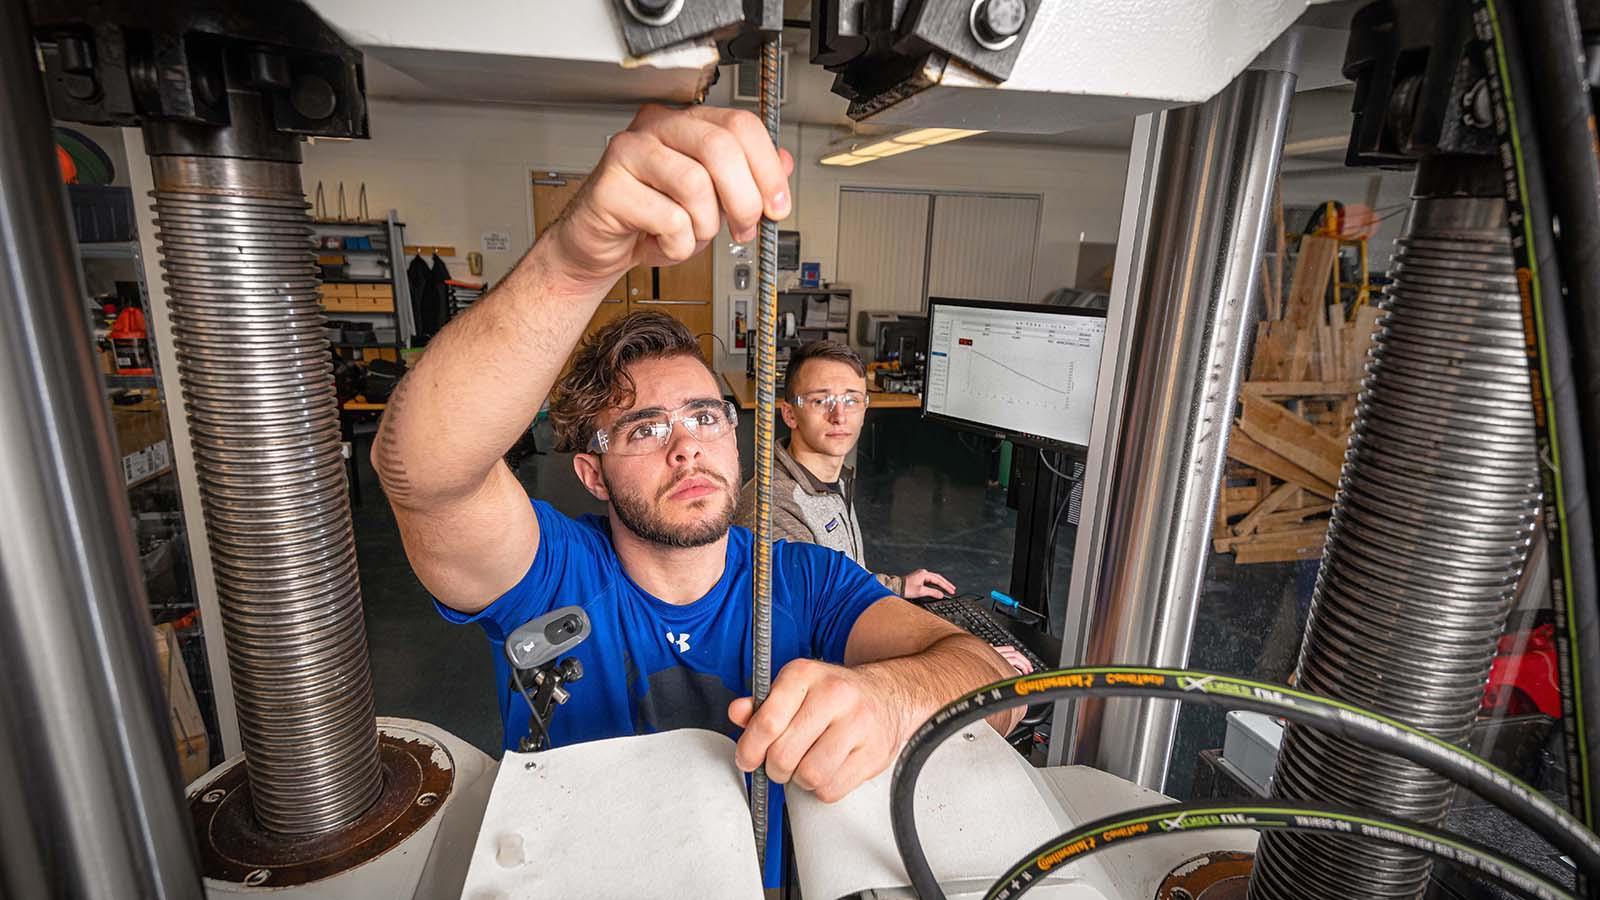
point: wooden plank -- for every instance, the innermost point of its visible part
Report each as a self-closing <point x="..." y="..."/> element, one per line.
<point x="1286" y="519"/>
<point x="1295" y="439"/>
<point x="1275" y="553"/>
<point x="1359" y="336"/>
<point x="1245" y="449"/>
<point x="1313" y="271"/>
<point x="1298" y="367"/>
<point x="1269" y="306"/>
<point x="1248" y="496"/>
<point x="1292" y="537"/>
<point x="1281" y="233"/>
<point x="1263" y="355"/>
<point x="1325" y="359"/>
<point x="1337" y="388"/>
<point x="1336" y="343"/>
<point x="1243" y="503"/>
<point x="1252" y="519"/>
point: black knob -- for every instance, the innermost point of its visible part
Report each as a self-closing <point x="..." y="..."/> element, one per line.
<point x="76" y="56"/>
<point x="571" y="669"/>
<point x="997" y="20"/>
<point x="313" y="97"/>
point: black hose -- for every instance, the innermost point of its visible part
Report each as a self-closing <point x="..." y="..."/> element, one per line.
<point x="1557" y="413"/>
<point x="1566" y="130"/>
<point x="1266" y="815"/>
<point x="1490" y="782"/>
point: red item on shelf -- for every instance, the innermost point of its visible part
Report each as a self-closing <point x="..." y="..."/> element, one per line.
<point x="69" y="167"/>
<point x="1524" y="677"/>
<point x="131" y="342"/>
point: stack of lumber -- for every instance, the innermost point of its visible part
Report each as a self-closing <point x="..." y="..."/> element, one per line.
<point x="1287" y="446"/>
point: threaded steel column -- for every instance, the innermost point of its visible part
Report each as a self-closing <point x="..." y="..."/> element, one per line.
<point x="256" y="374"/>
<point x="1430" y="530"/>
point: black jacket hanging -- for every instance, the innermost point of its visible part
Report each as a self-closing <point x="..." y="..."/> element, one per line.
<point x="430" y="297"/>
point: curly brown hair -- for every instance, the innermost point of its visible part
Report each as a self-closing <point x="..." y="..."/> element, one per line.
<point x="599" y="378"/>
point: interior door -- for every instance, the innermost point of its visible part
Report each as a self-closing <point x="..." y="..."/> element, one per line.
<point x="682" y="291"/>
<point x="552" y="191"/>
<point x="688" y="280"/>
<point x="695" y="314"/>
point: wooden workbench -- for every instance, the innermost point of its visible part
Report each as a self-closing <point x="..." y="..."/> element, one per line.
<point x="743" y="389"/>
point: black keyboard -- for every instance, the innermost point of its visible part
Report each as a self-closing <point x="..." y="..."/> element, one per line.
<point x="972" y="615"/>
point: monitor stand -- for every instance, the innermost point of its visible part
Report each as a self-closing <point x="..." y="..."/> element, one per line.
<point x="1039" y="497"/>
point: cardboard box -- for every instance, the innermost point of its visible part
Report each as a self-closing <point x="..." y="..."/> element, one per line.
<point x="183" y="708"/>
<point x="375" y="290"/>
<point x="142" y="438"/>
<point x="339" y="289"/>
<point x="152" y="460"/>
<point x="139" y="424"/>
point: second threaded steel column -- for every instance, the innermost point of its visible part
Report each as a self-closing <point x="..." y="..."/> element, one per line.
<point x="1430" y="529"/>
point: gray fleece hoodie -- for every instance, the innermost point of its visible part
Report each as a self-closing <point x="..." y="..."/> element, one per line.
<point x="813" y="511"/>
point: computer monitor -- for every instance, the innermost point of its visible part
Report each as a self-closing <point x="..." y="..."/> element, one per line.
<point x="1022" y="370"/>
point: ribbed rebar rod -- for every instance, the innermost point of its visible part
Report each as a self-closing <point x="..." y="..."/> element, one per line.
<point x="766" y="386"/>
<point x="765" y="409"/>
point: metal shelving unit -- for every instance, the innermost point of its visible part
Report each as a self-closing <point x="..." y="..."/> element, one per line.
<point x="155" y="500"/>
<point x="391" y="232"/>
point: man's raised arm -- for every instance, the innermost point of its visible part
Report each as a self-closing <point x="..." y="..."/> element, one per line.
<point x="656" y="197"/>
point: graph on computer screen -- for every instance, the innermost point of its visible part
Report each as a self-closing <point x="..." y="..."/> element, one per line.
<point x="1028" y="372"/>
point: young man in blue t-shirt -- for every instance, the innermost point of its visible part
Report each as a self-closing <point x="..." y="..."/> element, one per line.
<point x="664" y="579"/>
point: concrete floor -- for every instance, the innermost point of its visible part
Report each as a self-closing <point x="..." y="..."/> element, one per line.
<point x="923" y="502"/>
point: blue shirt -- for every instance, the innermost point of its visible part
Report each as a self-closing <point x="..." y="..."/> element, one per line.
<point x="649" y="665"/>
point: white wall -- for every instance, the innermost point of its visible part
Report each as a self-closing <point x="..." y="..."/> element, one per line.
<point x="1080" y="191"/>
<point x="455" y="171"/>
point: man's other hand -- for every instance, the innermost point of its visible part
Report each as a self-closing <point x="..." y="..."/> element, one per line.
<point x="826" y="728"/>
<point x="923" y="583"/>
<point x="660" y="192"/>
<point x="1014" y="656"/>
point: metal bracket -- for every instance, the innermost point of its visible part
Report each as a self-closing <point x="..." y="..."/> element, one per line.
<point x="123" y="62"/>
<point x="1420" y="85"/>
<point x="651" y="25"/>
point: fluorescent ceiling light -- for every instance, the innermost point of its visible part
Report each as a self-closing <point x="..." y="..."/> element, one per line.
<point x="885" y="148"/>
<point x="854" y="152"/>
<point x="845" y="159"/>
<point x="927" y="137"/>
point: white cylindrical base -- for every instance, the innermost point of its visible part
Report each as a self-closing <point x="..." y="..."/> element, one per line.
<point x="430" y="863"/>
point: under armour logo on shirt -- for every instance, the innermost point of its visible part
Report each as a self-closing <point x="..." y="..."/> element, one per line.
<point x="680" y="641"/>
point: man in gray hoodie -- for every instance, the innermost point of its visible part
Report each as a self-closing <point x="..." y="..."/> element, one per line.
<point x="813" y="492"/>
